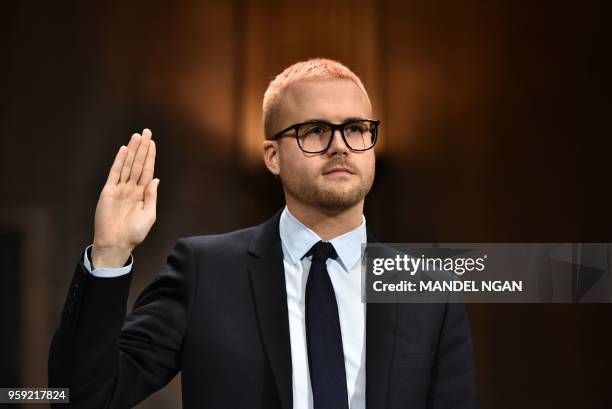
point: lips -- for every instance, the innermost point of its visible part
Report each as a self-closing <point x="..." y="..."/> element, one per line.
<point x="339" y="170"/>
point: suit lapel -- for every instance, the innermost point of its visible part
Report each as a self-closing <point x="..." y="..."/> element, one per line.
<point x="268" y="283"/>
<point x="381" y="321"/>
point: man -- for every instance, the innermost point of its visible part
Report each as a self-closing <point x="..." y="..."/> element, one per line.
<point x="269" y="316"/>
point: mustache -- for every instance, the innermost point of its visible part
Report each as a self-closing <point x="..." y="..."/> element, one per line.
<point x="334" y="163"/>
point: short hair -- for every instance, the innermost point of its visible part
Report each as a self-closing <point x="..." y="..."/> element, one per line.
<point x="312" y="69"/>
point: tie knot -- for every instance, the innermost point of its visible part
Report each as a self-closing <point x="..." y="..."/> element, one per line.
<point x="321" y="251"/>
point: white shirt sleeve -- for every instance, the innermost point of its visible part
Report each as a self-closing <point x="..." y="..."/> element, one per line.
<point x="107" y="272"/>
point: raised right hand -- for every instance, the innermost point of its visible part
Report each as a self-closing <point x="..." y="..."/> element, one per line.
<point x="126" y="209"/>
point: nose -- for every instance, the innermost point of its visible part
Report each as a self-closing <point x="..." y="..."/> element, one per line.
<point x="337" y="146"/>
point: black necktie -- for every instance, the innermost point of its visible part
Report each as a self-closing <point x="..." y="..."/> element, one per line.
<point x="323" y="336"/>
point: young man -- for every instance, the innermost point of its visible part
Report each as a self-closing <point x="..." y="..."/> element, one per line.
<point x="269" y="316"/>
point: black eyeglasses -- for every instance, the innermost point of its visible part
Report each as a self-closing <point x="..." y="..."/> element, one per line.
<point x="316" y="136"/>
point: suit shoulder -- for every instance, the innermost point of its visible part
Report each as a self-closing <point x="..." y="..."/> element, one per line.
<point x="236" y="240"/>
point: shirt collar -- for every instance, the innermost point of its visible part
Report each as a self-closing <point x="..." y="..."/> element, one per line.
<point x="297" y="239"/>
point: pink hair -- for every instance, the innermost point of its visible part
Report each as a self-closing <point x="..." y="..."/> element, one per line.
<point x="313" y="69"/>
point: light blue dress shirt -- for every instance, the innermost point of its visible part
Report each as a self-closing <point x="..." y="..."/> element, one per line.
<point x="345" y="275"/>
<point x="107" y="272"/>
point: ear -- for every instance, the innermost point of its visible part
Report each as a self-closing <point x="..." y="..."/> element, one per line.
<point x="270" y="155"/>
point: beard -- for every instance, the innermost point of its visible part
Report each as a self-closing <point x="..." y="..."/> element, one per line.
<point x="336" y="195"/>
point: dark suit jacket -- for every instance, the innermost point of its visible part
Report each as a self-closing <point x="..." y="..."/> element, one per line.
<point x="218" y="313"/>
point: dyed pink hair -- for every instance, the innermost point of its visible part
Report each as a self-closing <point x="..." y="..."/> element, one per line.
<point x="313" y="69"/>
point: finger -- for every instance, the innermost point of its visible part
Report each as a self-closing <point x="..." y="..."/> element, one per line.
<point x="149" y="166"/>
<point x="150" y="199"/>
<point x="129" y="159"/>
<point x="140" y="156"/>
<point x="115" y="172"/>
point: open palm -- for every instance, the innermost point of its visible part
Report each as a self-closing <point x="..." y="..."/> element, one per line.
<point x="126" y="209"/>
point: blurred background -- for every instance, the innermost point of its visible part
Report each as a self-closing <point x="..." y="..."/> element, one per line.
<point x="496" y="128"/>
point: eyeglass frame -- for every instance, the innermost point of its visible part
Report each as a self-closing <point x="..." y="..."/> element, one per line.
<point x="333" y="127"/>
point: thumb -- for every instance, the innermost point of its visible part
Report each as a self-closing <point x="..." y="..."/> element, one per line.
<point x="150" y="198"/>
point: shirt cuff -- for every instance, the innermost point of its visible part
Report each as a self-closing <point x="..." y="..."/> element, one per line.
<point x="107" y="272"/>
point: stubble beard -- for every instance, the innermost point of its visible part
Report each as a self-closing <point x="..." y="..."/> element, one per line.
<point x="332" y="197"/>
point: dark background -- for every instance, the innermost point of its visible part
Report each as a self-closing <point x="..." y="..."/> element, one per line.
<point x="496" y="128"/>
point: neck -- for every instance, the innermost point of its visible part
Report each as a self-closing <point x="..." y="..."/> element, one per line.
<point x="327" y="223"/>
